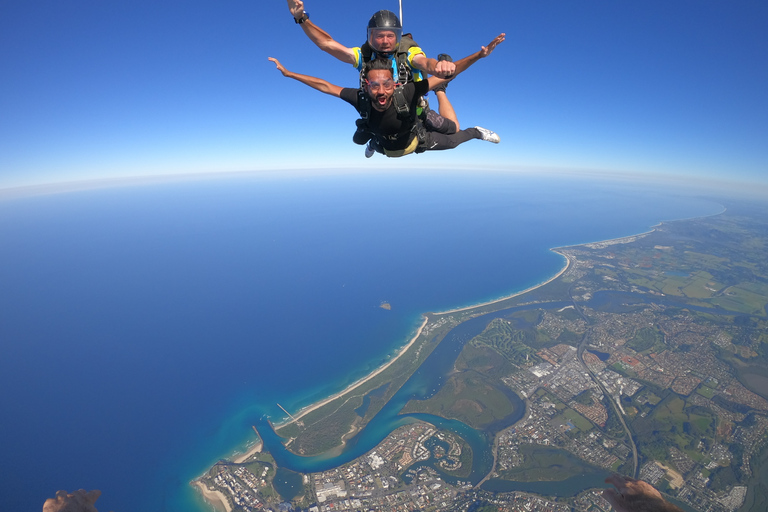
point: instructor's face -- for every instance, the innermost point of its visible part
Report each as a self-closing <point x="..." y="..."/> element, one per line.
<point x="383" y="40"/>
<point x="380" y="87"/>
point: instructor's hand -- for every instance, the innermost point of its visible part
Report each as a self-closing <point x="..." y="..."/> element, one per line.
<point x="297" y="8"/>
<point x="445" y="69"/>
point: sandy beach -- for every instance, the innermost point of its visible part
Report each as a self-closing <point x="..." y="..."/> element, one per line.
<point x="253" y="450"/>
<point x="306" y="410"/>
<point x="562" y="271"/>
<point x="215" y="498"/>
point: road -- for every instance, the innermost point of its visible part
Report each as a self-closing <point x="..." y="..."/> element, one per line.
<point x="616" y="407"/>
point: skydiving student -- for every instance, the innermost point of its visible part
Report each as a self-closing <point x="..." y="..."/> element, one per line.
<point x="390" y="111"/>
<point x="384" y="39"/>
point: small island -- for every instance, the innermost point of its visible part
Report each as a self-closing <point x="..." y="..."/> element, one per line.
<point x="645" y="355"/>
<point x="385" y="305"/>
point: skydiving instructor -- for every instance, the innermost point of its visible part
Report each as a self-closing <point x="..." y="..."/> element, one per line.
<point x="384" y="38"/>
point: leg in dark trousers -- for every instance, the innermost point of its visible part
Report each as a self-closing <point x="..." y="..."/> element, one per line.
<point x="439" y="141"/>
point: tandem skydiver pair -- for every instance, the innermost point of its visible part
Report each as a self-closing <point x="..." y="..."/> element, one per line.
<point x="394" y="118"/>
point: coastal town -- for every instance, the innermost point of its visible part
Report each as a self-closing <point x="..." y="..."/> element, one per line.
<point x="652" y="382"/>
<point x="388" y="478"/>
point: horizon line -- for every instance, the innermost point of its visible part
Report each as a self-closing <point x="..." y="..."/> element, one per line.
<point x="753" y="188"/>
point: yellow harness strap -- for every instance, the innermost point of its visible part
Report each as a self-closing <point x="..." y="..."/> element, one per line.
<point x="401" y="152"/>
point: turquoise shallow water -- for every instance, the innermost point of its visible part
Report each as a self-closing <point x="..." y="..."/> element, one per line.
<point x="157" y="323"/>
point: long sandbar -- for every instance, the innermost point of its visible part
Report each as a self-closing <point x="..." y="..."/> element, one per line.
<point x="308" y="409"/>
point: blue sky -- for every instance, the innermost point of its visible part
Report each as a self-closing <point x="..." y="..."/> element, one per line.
<point x="93" y="89"/>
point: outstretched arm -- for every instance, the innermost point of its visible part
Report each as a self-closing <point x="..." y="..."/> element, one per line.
<point x="442" y="69"/>
<point x="464" y="63"/>
<point x="320" y="37"/>
<point x="315" y="83"/>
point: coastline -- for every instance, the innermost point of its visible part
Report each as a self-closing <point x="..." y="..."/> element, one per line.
<point x="427" y="316"/>
<point x="215" y="498"/>
<point x="308" y="409"/>
<point x="507" y="297"/>
<point x="247" y="455"/>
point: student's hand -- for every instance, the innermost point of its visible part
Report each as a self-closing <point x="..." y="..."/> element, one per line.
<point x="280" y="67"/>
<point x="297" y="8"/>
<point x="486" y="50"/>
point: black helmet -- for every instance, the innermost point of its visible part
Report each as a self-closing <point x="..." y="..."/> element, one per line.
<point x="386" y="20"/>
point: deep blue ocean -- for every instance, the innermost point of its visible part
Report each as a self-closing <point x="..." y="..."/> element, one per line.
<point x="144" y="328"/>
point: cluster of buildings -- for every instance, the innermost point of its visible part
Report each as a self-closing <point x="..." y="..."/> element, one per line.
<point x="686" y="363"/>
<point x="240" y="486"/>
<point x="512" y="502"/>
<point x="540" y="428"/>
<point x="692" y="489"/>
<point x="389" y="477"/>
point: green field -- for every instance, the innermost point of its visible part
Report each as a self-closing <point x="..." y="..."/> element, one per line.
<point x="705" y="391"/>
<point x="674" y="424"/>
<point x="645" y="339"/>
<point x="577" y="419"/>
<point x="508" y="340"/>
<point x="671" y="412"/>
<point x="701" y="286"/>
<point x="744" y="298"/>
<point x="543" y="464"/>
<point x="468" y="397"/>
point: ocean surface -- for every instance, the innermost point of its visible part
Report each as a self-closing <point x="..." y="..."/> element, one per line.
<point x="144" y="328"/>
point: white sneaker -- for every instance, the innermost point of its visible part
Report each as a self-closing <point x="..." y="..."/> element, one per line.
<point x="369" y="151"/>
<point x="488" y="135"/>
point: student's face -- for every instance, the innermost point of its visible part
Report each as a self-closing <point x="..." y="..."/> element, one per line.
<point x="380" y="87"/>
<point x="383" y="41"/>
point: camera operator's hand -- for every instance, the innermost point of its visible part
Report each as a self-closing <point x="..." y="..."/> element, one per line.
<point x="633" y="495"/>
<point x="78" y="501"/>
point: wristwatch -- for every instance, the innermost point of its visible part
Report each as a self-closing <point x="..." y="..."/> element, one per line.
<point x="304" y="17"/>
